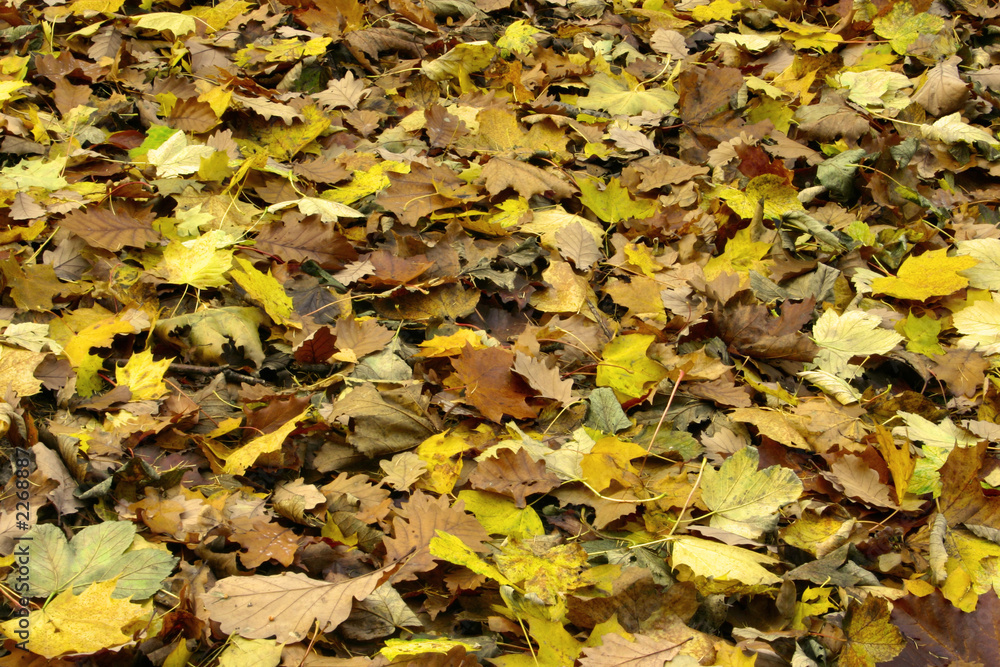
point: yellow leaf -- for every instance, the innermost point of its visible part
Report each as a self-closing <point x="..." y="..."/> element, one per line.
<point x="84" y="623"/>
<point x="931" y="274"/>
<point x="626" y="368"/>
<point x="437" y="452"/>
<point x="265" y="290"/>
<point x="77" y="350"/>
<point x="718" y="10"/>
<point x="366" y="182"/>
<point x="722" y="561"/>
<point x="395" y="648"/>
<point x="567" y="292"/>
<point x="779" y="197"/>
<point x="178" y="24"/>
<point x="143" y="376"/>
<point x="452" y="549"/>
<point x="81" y="7"/>
<point x="613" y="203"/>
<point x="548" y="573"/>
<point x="198" y="263"/>
<point x="740" y="256"/>
<point x="219" y="15"/>
<point x="17" y="370"/>
<point x="501" y="516"/>
<point x="237" y="462"/>
<point x="453" y="344"/>
<point x="610" y="460"/>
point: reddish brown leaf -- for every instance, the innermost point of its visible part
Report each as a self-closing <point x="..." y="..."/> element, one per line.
<point x="514" y="474"/>
<point x="490" y="385"/>
<point x="424" y="190"/>
<point x="111" y="231"/>
<point x="308" y="239"/>
<point x="940" y="634"/>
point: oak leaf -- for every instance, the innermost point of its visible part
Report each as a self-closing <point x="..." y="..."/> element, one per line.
<point x="286" y="605"/>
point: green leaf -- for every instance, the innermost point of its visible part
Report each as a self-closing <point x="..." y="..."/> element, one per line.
<point x="97" y="553"/>
<point x="746" y="500"/>
<point x="605" y="413"/>
<point x="501" y="516"/>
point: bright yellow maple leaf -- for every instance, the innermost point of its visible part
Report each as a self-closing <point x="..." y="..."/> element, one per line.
<point x="87" y="365"/>
<point x="500" y="515"/>
<point x="931" y="274"/>
<point x="84" y="623"/>
<point x="779" y="197"/>
<point x="453" y="344"/>
<point x="740" y="256"/>
<point x="611" y="460"/>
<point x="198" y="263"/>
<point x="144" y="376"/>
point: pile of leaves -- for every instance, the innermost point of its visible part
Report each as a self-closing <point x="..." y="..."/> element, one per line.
<point x="510" y="332"/>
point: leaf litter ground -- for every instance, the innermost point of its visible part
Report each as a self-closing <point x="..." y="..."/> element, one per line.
<point x="499" y="332"/>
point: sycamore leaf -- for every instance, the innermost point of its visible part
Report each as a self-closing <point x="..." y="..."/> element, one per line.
<point x="98" y="553"/>
<point x="742" y="254"/>
<point x="952" y="129"/>
<point x="722" y="561"/>
<point x="626" y="368"/>
<point x="902" y="26"/>
<point x="328" y="211"/>
<point x="853" y="334"/>
<point x="502" y="516"/>
<point x="613" y="204"/>
<point x="198" y="263"/>
<point x="143" y="376"/>
<point x="619" y="97"/>
<point x="871" y="636"/>
<point x="450" y="548"/>
<point x="176" y="156"/>
<point x="404" y="648"/>
<point x="258" y="652"/>
<point x="518" y="38"/>
<point x="779" y="197"/>
<point x="931" y="274"/>
<point x="985" y="274"/>
<point x="943" y="434"/>
<point x="979" y="325"/>
<point x="84" y="623"/>
<point x="179" y="24"/>
<point x="746" y="500"/>
<point x="286" y="605"/>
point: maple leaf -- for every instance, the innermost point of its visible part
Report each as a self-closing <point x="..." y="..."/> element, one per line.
<point x="641" y="651"/>
<point x="424" y="515"/>
<point x="84" y="623"/>
<point x="515" y="474"/>
<point x="871" y="638"/>
<point x="626" y="368"/>
<point x="490" y="385"/>
<point x="286" y="606"/>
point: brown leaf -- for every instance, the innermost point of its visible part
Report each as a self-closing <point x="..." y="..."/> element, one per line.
<point x="383" y="422"/>
<point x="413" y="530"/>
<point x="856" y="479"/>
<point x="111" y="231"/>
<point x="424" y="190"/>
<point x="642" y="651"/>
<point x="546" y="380"/>
<point x="192" y="116"/>
<point x="437" y="303"/>
<point x="962" y="371"/>
<point x="962" y="499"/>
<point x="307" y="239"/>
<point x="514" y="474"/>
<point x="490" y="385"/>
<point x="443" y="128"/>
<point x="264" y="540"/>
<point x="320" y="170"/>
<point x="527" y="180"/>
<point x="941" y="634"/>
<point x="750" y="330"/>
<point x="576" y="244"/>
<point x="285" y="606"/>
<point x="361" y="337"/>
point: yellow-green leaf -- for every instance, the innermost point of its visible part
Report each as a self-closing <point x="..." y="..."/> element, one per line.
<point x="626" y="368"/>
<point x="722" y="561"/>
<point x="500" y="515"/>
<point x="746" y="500"/>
